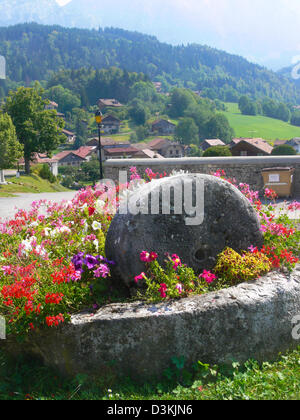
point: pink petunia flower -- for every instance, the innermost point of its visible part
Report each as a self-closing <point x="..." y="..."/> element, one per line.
<point x="208" y="276"/>
<point x="162" y="290"/>
<point x="140" y="277"/>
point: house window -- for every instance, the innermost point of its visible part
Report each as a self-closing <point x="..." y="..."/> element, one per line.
<point x="244" y="153"/>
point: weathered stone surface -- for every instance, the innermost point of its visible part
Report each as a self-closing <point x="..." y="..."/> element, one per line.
<point x="229" y="220"/>
<point x="252" y="320"/>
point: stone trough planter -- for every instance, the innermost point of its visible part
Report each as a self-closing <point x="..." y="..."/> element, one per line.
<point x="252" y="320"/>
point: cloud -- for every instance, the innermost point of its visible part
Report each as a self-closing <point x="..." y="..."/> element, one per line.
<point x="63" y="2"/>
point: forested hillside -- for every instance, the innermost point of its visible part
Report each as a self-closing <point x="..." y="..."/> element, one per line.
<point x="34" y="52"/>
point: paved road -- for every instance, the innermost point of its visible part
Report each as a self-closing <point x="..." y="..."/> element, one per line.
<point x="8" y="205"/>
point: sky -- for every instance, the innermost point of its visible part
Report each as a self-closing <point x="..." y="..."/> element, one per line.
<point x="264" y="31"/>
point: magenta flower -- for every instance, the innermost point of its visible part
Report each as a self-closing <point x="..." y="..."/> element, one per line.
<point x="176" y="260"/>
<point x="208" y="276"/>
<point x="253" y="249"/>
<point x="162" y="290"/>
<point x="140" y="277"/>
<point x="145" y="256"/>
<point x="102" y="271"/>
<point x="148" y="257"/>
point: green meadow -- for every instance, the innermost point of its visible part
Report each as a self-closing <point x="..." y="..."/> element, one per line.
<point x="259" y="126"/>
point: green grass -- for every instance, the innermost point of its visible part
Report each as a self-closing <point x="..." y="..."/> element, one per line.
<point x="253" y="381"/>
<point x="29" y="184"/>
<point x="259" y="126"/>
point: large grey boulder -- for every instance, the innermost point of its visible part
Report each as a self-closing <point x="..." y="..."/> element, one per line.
<point x="215" y="215"/>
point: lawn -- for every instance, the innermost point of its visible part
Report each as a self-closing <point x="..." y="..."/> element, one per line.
<point x="259" y="126"/>
<point x="253" y="381"/>
<point x="29" y="184"/>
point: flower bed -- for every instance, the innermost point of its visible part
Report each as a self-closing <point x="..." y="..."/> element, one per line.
<point x="53" y="265"/>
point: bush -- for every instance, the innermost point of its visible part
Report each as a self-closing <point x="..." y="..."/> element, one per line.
<point x="217" y="151"/>
<point x="284" y="150"/>
<point x="45" y="173"/>
<point x="238" y="268"/>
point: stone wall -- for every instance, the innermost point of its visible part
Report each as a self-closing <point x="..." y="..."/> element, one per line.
<point x="255" y="320"/>
<point x="244" y="169"/>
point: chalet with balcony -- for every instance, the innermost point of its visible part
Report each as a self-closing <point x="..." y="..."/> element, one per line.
<point x="166" y="148"/>
<point x="111" y="124"/>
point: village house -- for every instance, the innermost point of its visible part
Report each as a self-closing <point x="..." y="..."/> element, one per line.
<point x="51" y="105"/>
<point x="250" y="147"/>
<point x="75" y="157"/>
<point x="111" y="124"/>
<point x="121" y="152"/>
<point x="71" y="137"/>
<point x="40" y="159"/>
<point x="279" y="142"/>
<point x="158" y="86"/>
<point x="295" y="143"/>
<point x="206" y="144"/>
<point x="109" y="103"/>
<point x="163" y="127"/>
<point x="166" y="148"/>
<point x="107" y="142"/>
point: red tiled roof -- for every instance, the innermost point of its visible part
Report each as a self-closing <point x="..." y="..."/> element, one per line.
<point x="62" y="155"/>
<point x="84" y="151"/>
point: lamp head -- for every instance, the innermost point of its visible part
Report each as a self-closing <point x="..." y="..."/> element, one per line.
<point x="98" y="117"/>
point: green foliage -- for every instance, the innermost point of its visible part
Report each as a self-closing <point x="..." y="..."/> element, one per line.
<point x="180" y="101"/>
<point x="186" y="131"/>
<point x="238" y="268"/>
<point x="90" y="171"/>
<point x="65" y="98"/>
<point x="274" y="109"/>
<point x="138" y="112"/>
<point x="247" y="107"/>
<point x="295" y="120"/>
<point x="174" y="280"/>
<point x="218" y="128"/>
<point x="39" y="130"/>
<point x="90" y="85"/>
<point x="34" y="52"/>
<point x="25" y="379"/>
<point x="222" y="151"/>
<point x="45" y="173"/>
<point x="283" y="150"/>
<point x="195" y="151"/>
<point x="11" y="149"/>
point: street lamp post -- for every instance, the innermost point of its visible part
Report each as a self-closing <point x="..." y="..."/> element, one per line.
<point x="98" y="118"/>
